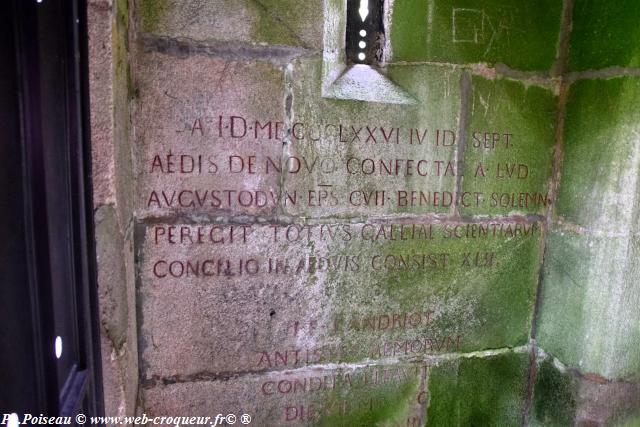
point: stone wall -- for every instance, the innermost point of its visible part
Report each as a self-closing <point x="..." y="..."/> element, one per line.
<point x="113" y="187"/>
<point x="449" y="239"/>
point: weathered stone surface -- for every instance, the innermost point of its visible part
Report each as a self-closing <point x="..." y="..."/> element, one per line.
<point x="343" y="397"/>
<point x="478" y="391"/>
<point x="113" y="191"/>
<point x="112" y="289"/>
<point x="116" y="299"/>
<point x="563" y="397"/>
<point x="364" y="83"/>
<point x="604" y="34"/>
<point x="373" y="158"/>
<point x="101" y="99"/>
<point x="274" y="22"/>
<point x="204" y="131"/>
<point x="522" y="35"/>
<point x="602" y="403"/>
<point x="109" y="95"/>
<point x="343" y="188"/>
<point x="122" y="94"/>
<point x="589" y="317"/>
<point x="292" y="296"/>
<point x="554" y="396"/>
<point x="508" y="154"/>
<point x="113" y="385"/>
<point x="600" y="188"/>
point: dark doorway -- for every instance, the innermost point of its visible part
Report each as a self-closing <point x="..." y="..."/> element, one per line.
<point x="50" y="359"/>
<point x="365" y="31"/>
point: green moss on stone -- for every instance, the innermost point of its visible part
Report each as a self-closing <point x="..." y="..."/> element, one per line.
<point x="407" y="29"/>
<point x="522" y="35"/>
<point x="122" y="10"/>
<point x="605" y="34"/>
<point x="466" y="302"/>
<point x="632" y="421"/>
<point x="511" y="125"/>
<point x="283" y="21"/>
<point x="274" y="22"/>
<point x="589" y="317"/>
<point x="476" y="391"/>
<point x="271" y="26"/>
<point x="375" y="405"/>
<point x="554" y="401"/>
<point x="120" y="39"/>
<point x="151" y="13"/>
<point x="601" y="161"/>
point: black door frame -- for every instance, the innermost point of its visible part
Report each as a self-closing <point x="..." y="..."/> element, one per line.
<point x="50" y="277"/>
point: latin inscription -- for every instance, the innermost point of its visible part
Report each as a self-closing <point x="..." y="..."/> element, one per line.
<point x="374" y="181"/>
<point x="354" y="388"/>
<point x="312" y="283"/>
<point x="317" y="259"/>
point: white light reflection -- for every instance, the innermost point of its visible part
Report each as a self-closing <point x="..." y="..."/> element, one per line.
<point x="364" y="9"/>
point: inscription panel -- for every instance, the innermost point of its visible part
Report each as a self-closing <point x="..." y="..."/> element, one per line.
<point x="228" y="146"/>
<point x="284" y="235"/>
<point x="229" y="298"/>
